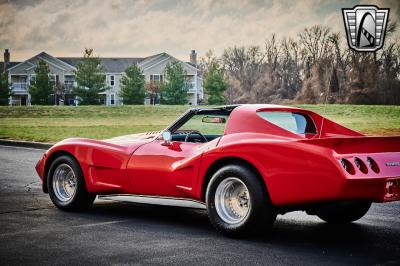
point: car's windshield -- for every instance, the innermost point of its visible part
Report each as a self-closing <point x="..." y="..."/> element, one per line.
<point x="201" y="128"/>
<point x="291" y="121"/>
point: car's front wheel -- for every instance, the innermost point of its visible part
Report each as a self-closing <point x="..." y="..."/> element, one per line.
<point x="66" y="185"/>
<point x="237" y="202"/>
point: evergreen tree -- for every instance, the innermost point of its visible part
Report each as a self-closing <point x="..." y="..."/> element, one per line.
<point x="41" y="86"/>
<point x="91" y="79"/>
<point x="132" y="86"/>
<point x="215" y="84"/>
<point x="5" y="89"/>
<point x="174" y="89"/>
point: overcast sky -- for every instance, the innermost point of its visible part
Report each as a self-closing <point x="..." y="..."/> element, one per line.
<point x="118" y="28"/>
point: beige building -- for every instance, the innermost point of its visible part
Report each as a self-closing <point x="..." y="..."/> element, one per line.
<point x="62" y="72"/>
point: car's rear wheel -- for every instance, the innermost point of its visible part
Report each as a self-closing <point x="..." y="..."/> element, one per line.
<point x="66" y="185"/>
<point x="344" y="212"/>
<point x="237" y="202"/>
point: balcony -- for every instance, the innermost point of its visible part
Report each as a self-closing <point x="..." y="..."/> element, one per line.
<point x="20" y="87"/>
<point x="69" y="85"/>
<point x="192" y="87"/>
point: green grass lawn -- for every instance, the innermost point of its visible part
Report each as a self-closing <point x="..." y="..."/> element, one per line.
<point x="54" y="123"/>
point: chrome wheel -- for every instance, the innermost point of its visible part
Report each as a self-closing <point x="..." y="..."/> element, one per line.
<point x="232" y="200"/>
<point x="64" y="183"/>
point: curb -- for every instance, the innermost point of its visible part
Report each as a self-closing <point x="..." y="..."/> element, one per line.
<point x="26" y="144"/>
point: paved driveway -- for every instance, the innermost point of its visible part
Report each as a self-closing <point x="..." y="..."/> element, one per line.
<point x="32" y="231"/>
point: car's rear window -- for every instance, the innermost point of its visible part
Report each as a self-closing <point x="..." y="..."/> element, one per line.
<point x="291" y="121"/>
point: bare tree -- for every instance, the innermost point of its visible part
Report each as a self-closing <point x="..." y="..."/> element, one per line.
<point x="272" y="52"/>
<point x="341" y="59"/>
<point x="59" y="92"/>
<point x="266" y="88"/>
<point x="388" y="84"/>
<point x="315" y="42"/>
<point x="290" y="68"/>
<point x="244" y="67"/>
<point x="208" y="61"/>
<point x="309" y="68"/>
<point x="316" y="45"/>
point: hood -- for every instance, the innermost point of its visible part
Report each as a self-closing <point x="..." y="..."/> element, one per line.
<point x="133" y="138"/>
<point x="127" y="143"/>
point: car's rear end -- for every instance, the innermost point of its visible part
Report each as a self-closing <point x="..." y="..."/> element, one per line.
<point x="318" y="160"/>
<point x="370" y="166"/>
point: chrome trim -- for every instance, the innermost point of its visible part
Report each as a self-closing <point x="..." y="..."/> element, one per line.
<point x="154" y="200"/>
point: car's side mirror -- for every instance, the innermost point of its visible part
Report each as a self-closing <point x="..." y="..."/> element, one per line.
<point x="167" y="137"/>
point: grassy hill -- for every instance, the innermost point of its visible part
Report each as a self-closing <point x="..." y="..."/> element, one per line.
<point x="54" y="123"/>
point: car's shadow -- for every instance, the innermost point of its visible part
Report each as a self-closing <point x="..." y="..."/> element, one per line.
<point x="155" y="214"/>
<point x="373" y="241"/>
<point x="283" y="229"/>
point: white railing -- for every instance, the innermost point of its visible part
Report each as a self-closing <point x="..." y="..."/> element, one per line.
<point x="20" y="86"/>
<point x="16" y="102"/>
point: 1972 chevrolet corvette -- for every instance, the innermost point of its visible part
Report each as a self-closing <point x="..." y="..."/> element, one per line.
<point x="246" y="163"/>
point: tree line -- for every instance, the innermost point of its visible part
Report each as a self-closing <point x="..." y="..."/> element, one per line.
<point x="91" y="82"/>
<point x="316" y="66"/>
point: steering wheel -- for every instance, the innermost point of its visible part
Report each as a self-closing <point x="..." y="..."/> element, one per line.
<point x="195" y="132"/>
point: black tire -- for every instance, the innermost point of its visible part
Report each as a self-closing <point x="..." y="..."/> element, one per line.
<point x="344" y="212"/>
<point x="261" y="214"/>
<point x="81" y="198"/>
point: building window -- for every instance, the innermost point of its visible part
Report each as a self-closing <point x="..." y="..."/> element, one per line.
<point x="112" y="80"/>
<point x="103" y="99"/>
<point x="156" y="77"/>
<point x="69" y="82"/>
<point x="53" y="79"/>
<point x="112" y="99"/>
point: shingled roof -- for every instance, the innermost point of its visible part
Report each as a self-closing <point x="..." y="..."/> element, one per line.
<point x="11" y="64"/>
<point x="111" y="64"/>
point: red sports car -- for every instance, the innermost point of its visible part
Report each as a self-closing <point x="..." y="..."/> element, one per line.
<point x="246" y="163"/>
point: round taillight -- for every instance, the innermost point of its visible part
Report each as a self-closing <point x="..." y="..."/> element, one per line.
<point x="360" y="165"/>
<point x="347" y="166"/>
<point x="372" y="165"/>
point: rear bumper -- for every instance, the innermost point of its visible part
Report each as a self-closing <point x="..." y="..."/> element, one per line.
<point x="374" y="189"/>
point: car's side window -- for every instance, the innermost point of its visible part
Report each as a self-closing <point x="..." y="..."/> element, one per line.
<point x="294" y="122"/>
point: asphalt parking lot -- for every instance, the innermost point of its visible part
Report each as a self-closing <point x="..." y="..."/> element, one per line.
<point x="33" y="231"/>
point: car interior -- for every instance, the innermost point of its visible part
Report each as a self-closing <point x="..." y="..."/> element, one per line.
<point x="202" y="126"/>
